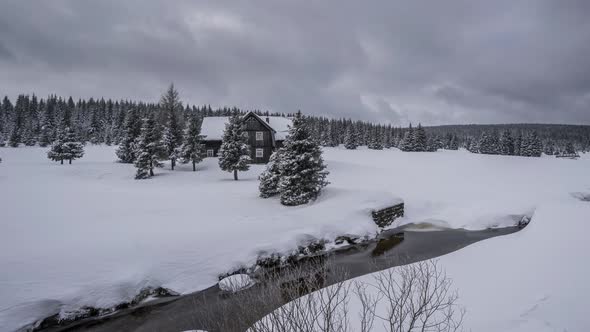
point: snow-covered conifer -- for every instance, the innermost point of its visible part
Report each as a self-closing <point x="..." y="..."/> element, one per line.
<point x="234" y="154"/>
<point x="149" y="149"/>
<point x="518" y="144"/>
<point x="66" y="147"/>
<point x="171" y="105"/>
<point x="420" y="139"/>
<point x="303" y="172"/>
<point x="408" y="142"/>
<point x="350" y="138"/>
<point x="535" y="146"/>
<point x="569" y="148"/>
<point x="269" y="179"/>
<point x="506" y="143"/>
<point x="192" y="146"/>
<point x="131" y="132"/>
<point x="454" y="143"/>
<point x="326" y="136"/>
<point x="375" y="142"/>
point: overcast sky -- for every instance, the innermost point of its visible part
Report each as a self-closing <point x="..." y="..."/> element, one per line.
<point x="435" y="62"/>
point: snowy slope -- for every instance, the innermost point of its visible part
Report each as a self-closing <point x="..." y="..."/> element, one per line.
<point x="88" y="234"/>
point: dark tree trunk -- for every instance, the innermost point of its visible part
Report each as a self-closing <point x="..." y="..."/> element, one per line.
<point x="236" y="174"/>
<point x="194" y="166"/>
<point x="151" y="172"/>
<point x="173" y="163"/>
<point x="62" y="161"/>
<point x="70" y="161"/>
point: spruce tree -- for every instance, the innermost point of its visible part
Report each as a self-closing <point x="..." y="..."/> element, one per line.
<point x="95" y="131"/>
<point x="303" y="172"/>
<point x="16" y="134"/>
<point x="535" y="145"/>
<point x="409" y="141"/>
<point x="518" y="144"/>
<point x="269" y="179"/>
<point x="506" y="143"/>
<point x="326" y="137"/>
<point x="192" y="146"/>
<point x="454" y="143"/>
<point x="131" y="132"/>
<point x="375" y="142"/>
<point x="234" y="154"/>
<point x="420" y="140"/>
<point x="3" y="119"/>
<point x="149" y="149"/>
<point x="350" y="138"/>
<point x="47" y="126"/>
<point x="66" y="147"/>
<point x="525" y="146"/>
<point x="569" y="148"/>
<point x="171" y="105"/>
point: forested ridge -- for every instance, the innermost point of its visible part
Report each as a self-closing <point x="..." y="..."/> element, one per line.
<point x="30" y="120"/>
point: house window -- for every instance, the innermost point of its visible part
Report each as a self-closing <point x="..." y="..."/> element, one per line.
<point x="259" y="153"/>
<point x="209" y="153"/>
<point x="259" y="136"/>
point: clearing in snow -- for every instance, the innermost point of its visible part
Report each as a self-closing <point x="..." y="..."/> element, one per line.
<point x="88" y="234"/>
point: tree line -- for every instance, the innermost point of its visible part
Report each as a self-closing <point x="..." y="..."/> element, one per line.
<point x="40" y="121"/>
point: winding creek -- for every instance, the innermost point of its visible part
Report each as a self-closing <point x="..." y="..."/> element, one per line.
<point x="394" y="247"/>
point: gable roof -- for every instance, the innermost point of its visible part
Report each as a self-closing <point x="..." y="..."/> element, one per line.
<point x="213" y="126"/>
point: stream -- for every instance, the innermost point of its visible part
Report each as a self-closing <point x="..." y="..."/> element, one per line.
<point x="394" y="247"/>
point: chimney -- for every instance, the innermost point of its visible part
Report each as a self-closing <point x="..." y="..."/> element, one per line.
<point x="267" y="120"/>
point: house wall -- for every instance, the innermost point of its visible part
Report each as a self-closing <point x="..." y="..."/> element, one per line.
<point x="252" y="125"/>
<point x="212" y="145"/>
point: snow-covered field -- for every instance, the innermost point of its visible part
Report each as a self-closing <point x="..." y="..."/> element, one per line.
<point x="89" y="234"/>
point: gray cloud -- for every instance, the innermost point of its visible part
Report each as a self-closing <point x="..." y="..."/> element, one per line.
<point x="394" y="61"/>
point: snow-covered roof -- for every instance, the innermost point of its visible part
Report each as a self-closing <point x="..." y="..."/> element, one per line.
<point x="279" y="124"/>
<point x="213" y="126"/>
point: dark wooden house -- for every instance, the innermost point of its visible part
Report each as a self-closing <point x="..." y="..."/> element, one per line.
<point x="265" y="134"/>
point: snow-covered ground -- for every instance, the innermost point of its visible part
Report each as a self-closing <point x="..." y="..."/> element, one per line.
<point x="89" y="234"/>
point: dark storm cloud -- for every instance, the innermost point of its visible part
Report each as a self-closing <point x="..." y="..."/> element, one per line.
<point x="399" y="61"/>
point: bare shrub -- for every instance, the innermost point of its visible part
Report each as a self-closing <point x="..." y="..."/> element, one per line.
<point x="418" y="297"/>
<point x="317" y="297"/>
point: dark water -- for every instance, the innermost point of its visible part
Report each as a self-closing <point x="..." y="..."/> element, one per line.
<point x="198" y="310"/>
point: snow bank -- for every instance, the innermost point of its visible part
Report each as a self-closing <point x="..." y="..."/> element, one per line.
<point x="87" y="234"/>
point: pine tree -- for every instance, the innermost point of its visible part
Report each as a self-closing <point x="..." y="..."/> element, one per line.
<point x="326" y="136"/>
<point x="47" y="126"/>
<point x="171" y="105"/>
<point x="489" y="143"/>
<point x="535" y="146"/>
<point x="454" y="143"/>
<point x="192" y="147"/>
<point x="234" y="154"/>
<point x="518" y="144"/>
<point x="269" y="179"/>
<point x="3" y="119"/>
<point x="409" y="141"/>
<point x="149" y="149"/>
<point x="506" y="143"/>
<point x="420" y="140"/>
<point x="16" y="134"/>
<point x="350" y="138"/>
<point x="131" y="132"/>
<point x="569" y="148"/>
<point x="303" y="172"/>
<point x="375" y="142"/>
<point x="66" y="147"/>
<point x="96" y="128"/>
